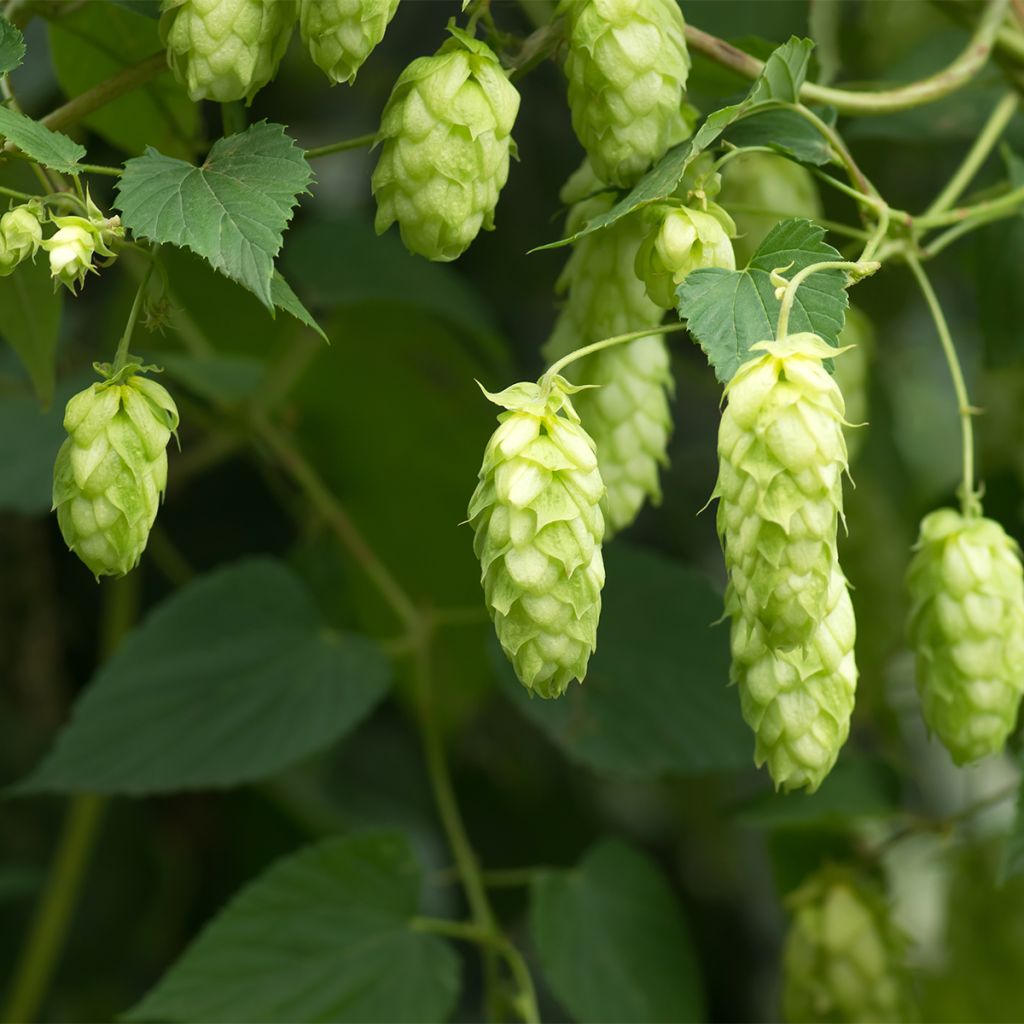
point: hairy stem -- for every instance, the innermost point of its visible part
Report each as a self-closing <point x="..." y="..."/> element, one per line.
<point x="597" y="346"/>
<point x="789" y="296"/>
<point x="339" y="147"/>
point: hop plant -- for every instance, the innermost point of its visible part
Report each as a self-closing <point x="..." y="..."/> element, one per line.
<point x="111" y="471"/>
<point x="781" y="457"/>
<point x="226" y="50"/>
<point x="77" y="239"/>
<point x="798" y="701"/>
<point x="851" y="374"/>
<point x="341" y="34"/>
<point x="446" y="130"/>
<point x="761" y="189"/>
<point x="538" y="530"/>
<point x="967" y="631"/>
<point x="844" y="957"/>
<point x="682" y="239"/>
<point x="20" y="237"/>
<point x="627" y="66"/>
<point x="627" y="414"/>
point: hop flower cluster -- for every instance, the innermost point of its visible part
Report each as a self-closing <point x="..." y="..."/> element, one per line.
<point x="341" y="34"/>
<point x="627" y="66"/>
<point x="74" y="244"/>
<point x="21" y="234"/>
<point x="111" y="471"/>
<point x="538" y="531"/>
<point x="967" y="631"/>
<point x="446" y="132"/>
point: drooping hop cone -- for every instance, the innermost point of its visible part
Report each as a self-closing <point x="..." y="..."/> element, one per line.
<point x="226" y="50"/>
<point x="538" y="523"/>
<point x="341" y="34"/>
<point x="111" y="471"/>
<point x="781" y="455"/>
<point x="798" y="701"/>
<point x="446" y="132"/>
<point x="844" y="957"/>
<point x="627" y="66"/>
<point x="967" y="631"/>
<point x="628" y="415"/>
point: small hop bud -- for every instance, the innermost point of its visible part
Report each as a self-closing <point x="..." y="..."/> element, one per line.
<point x="111" y="471"/>
<point x="73" y="245"/>
<point x="341" y="34"/>
<point x="22" y="232"/>
<point x="682" y="239"/>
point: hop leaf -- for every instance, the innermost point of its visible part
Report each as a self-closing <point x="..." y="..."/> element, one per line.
<point x="538" y="530"/>
<point x="627" y="66"/>
<point x="341" y="34"/>
<point x="447" y="137"/>
<point x="111" y="471"/>
<point x="967" y="631"/>
<point x="226" y="50"/>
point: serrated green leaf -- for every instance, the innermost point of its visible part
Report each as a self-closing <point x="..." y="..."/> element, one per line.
<point x="784" y="72"/>
<point x="284" y="298"/>
<point x="232" y="210"/>
<point x="786" y="132"/>
<point x="612" y="942"/>
<point x="655" y="701"/>
<point x="231" y="679"/>
<point x="52" y="149"/>
<point x="30" y="311"/>
<point x="12" y="46"/>
<point x="321" y="936"/>
<point x="727" y="311"/>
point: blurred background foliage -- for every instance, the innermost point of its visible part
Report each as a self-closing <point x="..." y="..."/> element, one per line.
<point x="391" y="417"/>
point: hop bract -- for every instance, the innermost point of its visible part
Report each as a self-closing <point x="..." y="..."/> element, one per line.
<point x="627" y="66"/>
<point x="844" y="957"/>
<point x="446" y="131"/>
<point x="226" y="50"/>
<point x="77" y="239"/>
<point x="967" y="631"/>
<point x="341" y="34"/>
<point x="111" y="471"/>
<point x="781" y="457"/>
<point x="680" y="240"/>
<point x="20" y="237"/>
<point x="537" y="516"/>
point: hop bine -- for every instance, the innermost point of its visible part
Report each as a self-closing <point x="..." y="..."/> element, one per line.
<point x="341" y="34"/>
<point x="538" y="530"/>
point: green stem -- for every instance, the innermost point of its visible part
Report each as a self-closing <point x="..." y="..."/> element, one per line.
<point x="232" y="117"/>
<point x="121" y="356"/>
<point x="597" y="346"/>
<point x="110" y="172"/>
<point x="15" y="194"/>
<point x="968" y="498"/>
<point x="339" y="147"/>
<point x="839" y="147"/>
<point x="990" y="209"/>
<point x="789" y="296"/>
<point x="978" y="154"/>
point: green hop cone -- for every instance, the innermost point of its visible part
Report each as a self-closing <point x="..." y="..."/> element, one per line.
<point x="798" y="701"/>
<point x="341" y="34"/>
<point x="852" y="375"/>
<point x="761" y="189"/>
<point x="627" y="66"/>
<point x="111" y="471"/>
<point x="682" y="239"/>
<point x="967" y="631"/>
<point x="72" y="247"/>
<point x="781" y="455"/>
<point x="446" y="132"/>
<point x="20" y="237"/>
<point x="844" y="959"/>
<point x="538" y="529"/>
<point x="226" y="50"/>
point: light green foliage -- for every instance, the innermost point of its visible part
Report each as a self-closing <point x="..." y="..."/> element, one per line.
<point x="226" y="50"/>
<point x="341" y="34"/>
<point x="446" y="132"/>
<point x="111" y="472"/>
<point x="967" y="631"/>
<point x="843" y="961"/>
<point x="20" y="237"/>
<point x="537" y="516"/>
<point x="627" y="66"/>
<point x="852" y="375"/>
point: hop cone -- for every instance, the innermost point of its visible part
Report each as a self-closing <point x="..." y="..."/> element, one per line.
<point x="628" y="414"/>
<point x="447" y="137"/>
<point x="759" y="190"/>
<point x="799" y="701"/>
<point x="781" y="458"/>
<point x="537" y="517"/>
<point x="112" y="470"/>
<point x="851" y="374"/>
<point x="627" y="66"/>
<point x="226" y="50"/>
<point x="967" y="630"/>
<point x="341" y="34"/>
<point x="20" y="237"/>
<point x="843" y="960"/>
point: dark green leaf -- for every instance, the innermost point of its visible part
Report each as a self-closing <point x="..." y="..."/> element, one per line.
<point x="655" y="700"/>
<point x="321" y="936"/>
<point x="217" y="377"/>
<point x="612" y="942"/>
<point x="232" y="210"/>
<point x="284" y="298"/>
<point x="231" y="679"/>
<point x="52" y="149"/>
<point x="727" y="311"/>
<point x="786" y="132"/>
<point x="30" y="311"/>
<point x="12" y="46"/>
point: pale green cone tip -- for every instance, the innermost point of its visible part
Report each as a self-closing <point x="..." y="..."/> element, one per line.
<point x="538" y="530"/>
<point x="341" y="34"/>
